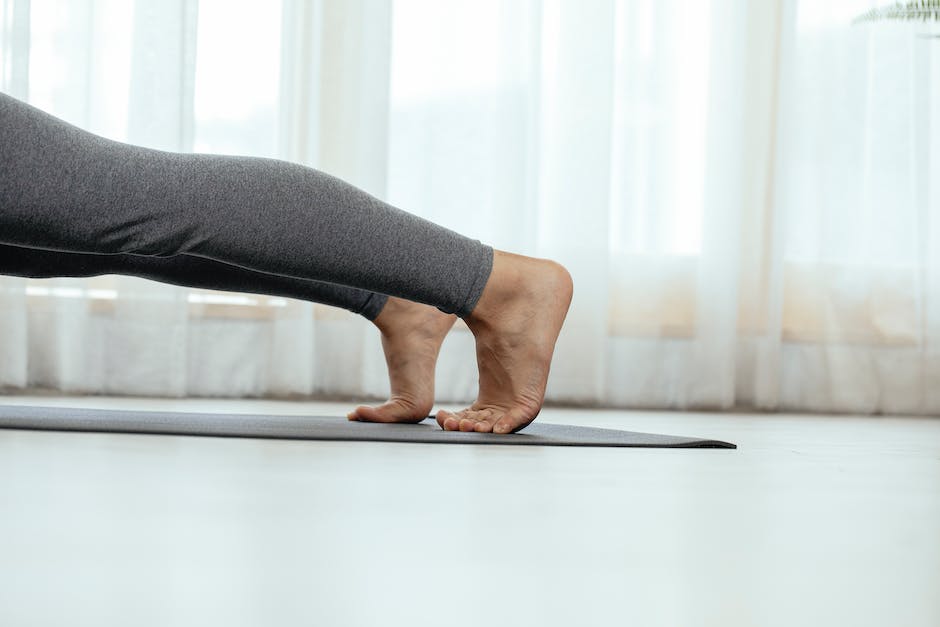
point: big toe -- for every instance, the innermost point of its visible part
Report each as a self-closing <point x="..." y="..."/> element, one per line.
<point x="513" y="420"/>
<point x="391" y="411"/>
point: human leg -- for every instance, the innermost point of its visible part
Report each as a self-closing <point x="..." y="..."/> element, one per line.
<point x="412" y="333"/>
<point x="186" y="271"/>
<point x="64" y="189"/>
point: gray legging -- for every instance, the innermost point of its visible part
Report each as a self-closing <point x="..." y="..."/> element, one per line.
<point x="76" y="204"/>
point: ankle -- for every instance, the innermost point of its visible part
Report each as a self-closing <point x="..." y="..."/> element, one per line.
<point x="502" y="286"/>
<point x="390" y="316"/>
<point x="404" y="316"/>
<point x="519" y="281"/>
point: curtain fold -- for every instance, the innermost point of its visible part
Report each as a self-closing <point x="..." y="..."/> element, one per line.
<point x="745" y="193"/>
<point x="14" y="39"/>
<point x="574" y="178"/>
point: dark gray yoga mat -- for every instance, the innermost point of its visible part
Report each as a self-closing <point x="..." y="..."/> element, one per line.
<point x="322" y="428"/>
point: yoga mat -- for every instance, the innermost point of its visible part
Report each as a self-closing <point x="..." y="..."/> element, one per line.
<point x="322" y="428"/>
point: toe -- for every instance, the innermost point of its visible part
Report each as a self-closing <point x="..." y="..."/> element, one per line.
<point x="477" y="419"/>
<point x="468" y="423"/>
<point x="483" y="426"/>
<point x="392" y="411"/>
<point x="362" y="413"/>
<point x="513" y="420"/>
<point x="365" y="413"/>
<point x="448" y="421"/>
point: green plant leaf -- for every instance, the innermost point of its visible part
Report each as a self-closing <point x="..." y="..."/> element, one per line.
<point x="917" y="10"/>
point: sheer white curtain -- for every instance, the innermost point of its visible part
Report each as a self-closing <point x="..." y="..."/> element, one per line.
<point x="744" y="192"/>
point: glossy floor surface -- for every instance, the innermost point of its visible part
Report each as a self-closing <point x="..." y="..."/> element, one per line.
<point x="812" y="521"/>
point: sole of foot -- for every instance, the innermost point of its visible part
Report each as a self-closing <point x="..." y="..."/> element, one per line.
<point x="515" y="324"/>
<point x="412" y="334"/>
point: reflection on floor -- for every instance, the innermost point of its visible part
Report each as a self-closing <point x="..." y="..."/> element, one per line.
<point x="812" y="521"/>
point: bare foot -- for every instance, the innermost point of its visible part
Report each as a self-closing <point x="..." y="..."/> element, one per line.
<point x="516" y="323"/>
<point x="412" y="335"/>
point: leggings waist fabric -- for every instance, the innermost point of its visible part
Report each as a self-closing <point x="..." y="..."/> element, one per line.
<point x="76" y="204"/>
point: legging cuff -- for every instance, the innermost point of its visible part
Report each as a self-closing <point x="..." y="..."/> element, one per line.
<point x="373" y="306"/>
<point x="484" y="269"/>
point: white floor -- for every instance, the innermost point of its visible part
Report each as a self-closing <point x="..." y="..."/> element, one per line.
<point x="812" y="521"/>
